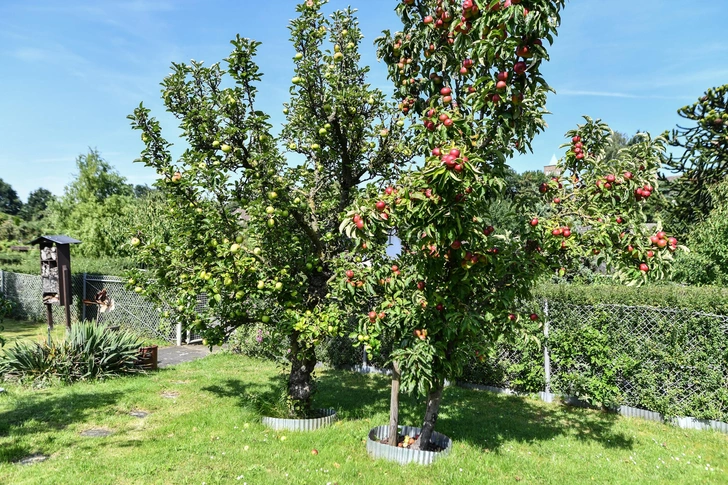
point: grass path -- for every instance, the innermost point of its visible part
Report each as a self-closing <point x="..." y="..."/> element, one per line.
<point x="210" y="433"/>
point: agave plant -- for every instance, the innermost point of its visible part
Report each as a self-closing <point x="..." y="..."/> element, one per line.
<point x="91" y="351"/>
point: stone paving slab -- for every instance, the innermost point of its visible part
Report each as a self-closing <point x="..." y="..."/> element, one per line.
<point x="167" y="356"/>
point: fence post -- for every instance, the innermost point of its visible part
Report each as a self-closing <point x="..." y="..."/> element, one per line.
<point x="179" y="334"/>
<point x="2" y="282"/>
<point x="83" y="293"/>
<point x="546" y="355"/>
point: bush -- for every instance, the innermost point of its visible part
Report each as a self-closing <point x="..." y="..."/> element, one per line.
<point x="705" y="299"/>
<point x="258" y="340"/>
<point x="90" y="351"/>
<point x="5" y="308"/>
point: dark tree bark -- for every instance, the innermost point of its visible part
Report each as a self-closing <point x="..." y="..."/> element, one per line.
<point x="300" y="381"/>
<point x="433" y="407"/>
<point x="394" y="407"/>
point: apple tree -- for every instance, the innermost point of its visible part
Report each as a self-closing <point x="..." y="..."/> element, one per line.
<point x="254" y="228"/>
<point x="469" y="74"/>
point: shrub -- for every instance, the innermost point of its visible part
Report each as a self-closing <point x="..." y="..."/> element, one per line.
<point x="258" y="340"/>
<point x="5" y="307"/>
<point x="91" y="351"/>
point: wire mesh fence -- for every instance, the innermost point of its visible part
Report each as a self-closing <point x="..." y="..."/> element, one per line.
<point x="668" y="360"/>
<point x="131" y="311"/>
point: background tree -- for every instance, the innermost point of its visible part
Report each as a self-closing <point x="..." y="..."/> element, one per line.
<point x="91" y="205"/>
<point x="703" y="161"/>
<point x="255" y="233"/>
<point x="34" y="208"/>
<point x="10" y="203"/>
<point x="472" y="77"/>
<point x="707" y="261"/>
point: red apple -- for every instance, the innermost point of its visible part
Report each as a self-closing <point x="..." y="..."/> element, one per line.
<point x="534" y="222"/>
<point x="349" y="274"/>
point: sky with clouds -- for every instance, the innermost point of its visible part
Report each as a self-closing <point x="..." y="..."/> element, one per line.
<point x="72" y="70"/>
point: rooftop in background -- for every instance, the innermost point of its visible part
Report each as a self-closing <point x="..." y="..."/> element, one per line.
<point x="551" y="170"/>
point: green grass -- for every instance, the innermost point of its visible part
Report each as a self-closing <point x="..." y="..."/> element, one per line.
<point x="38" y="332"/>
<point x="211" y="434"/>
<point x="20" y="330"/>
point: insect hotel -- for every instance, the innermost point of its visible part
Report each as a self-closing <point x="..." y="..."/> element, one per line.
<point x="55" y="272"/>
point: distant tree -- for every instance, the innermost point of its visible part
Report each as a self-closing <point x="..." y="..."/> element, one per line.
<point x="10" y="203"/>
<point x="37" y="203"/>
<point x="96" y="180"/>
<point x="91" y="206"/>
<point x="707" y="261"/>
<point x="142" y="191"/>
<point x="704" y="159"/>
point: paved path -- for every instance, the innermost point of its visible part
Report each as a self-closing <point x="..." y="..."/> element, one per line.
<point x="167" y="356"/>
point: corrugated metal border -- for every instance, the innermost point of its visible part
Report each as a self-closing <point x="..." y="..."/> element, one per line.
<point x="301" y="424"/>
<point x="685" y="422"/>
<point x="404" y="456"/>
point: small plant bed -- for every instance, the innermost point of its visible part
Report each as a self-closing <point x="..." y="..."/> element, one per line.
<point x="212" y="433"/>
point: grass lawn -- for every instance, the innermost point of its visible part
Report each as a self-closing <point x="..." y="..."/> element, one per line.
<point x="209" y="433"/>
<point x="21" y="330"/>
<point x="38" y="332"/>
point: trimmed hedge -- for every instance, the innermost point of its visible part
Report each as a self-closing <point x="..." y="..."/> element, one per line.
<point x="705" y="299"/>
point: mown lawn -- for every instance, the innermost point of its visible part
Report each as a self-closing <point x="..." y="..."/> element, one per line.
<point x="13" y="330"/>
<point x="210" y="433"/>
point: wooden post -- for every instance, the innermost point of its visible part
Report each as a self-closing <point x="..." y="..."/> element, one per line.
<point x="49" y="316"/>
<point x="65" y="286"/>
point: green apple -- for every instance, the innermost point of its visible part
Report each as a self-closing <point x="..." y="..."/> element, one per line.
<point x="296" y="80"/>
<point x="261" y="284"/>
<point x="271" y="222"/>
<point x="145" y="138"/>
<point x="239" y="295"/>
<point x="228" y="281"/>
<point x="292" y="146"/>
<point x="238" y="238"/>
<point x="315" y="146"/>
<point x="285" y="111"/>
<point x="138" y="289"/>
<point x="270" y="209"/>
<point x="235" y="248"/>
<point x="256" y="251"/>
<point x="322" y="131"/>
<point x="278" y="286"/>
<point x="298" y="56"/>
<point x="272" y="195"/>
<point x="309" y="266"/>
<point x="135" y="241"/>
<point x="226" y="148"/>
<point x="265" y="319"/>
<point x="338" y="57"/>
<point x="215" y="144"/>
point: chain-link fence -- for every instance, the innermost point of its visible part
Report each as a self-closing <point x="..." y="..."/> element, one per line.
<point x="131" y="311"/>
<point x="668" y="360"/>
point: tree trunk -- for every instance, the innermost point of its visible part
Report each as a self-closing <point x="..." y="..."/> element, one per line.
<point x="394" y="407"/>
<point x="433" y="407"/>
<point x="300" y="381"/>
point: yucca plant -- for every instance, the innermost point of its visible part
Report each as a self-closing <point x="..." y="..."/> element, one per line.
<point x="91" y="351"/>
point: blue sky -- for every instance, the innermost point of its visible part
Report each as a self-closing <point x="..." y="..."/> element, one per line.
<point x="71" y="70"/>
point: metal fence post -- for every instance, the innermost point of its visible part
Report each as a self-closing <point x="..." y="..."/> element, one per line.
<point x="179" y="334"/>
<point x="546" y="355"/>
<point x="83" y="292"/>
<point x="2" y="282"/>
